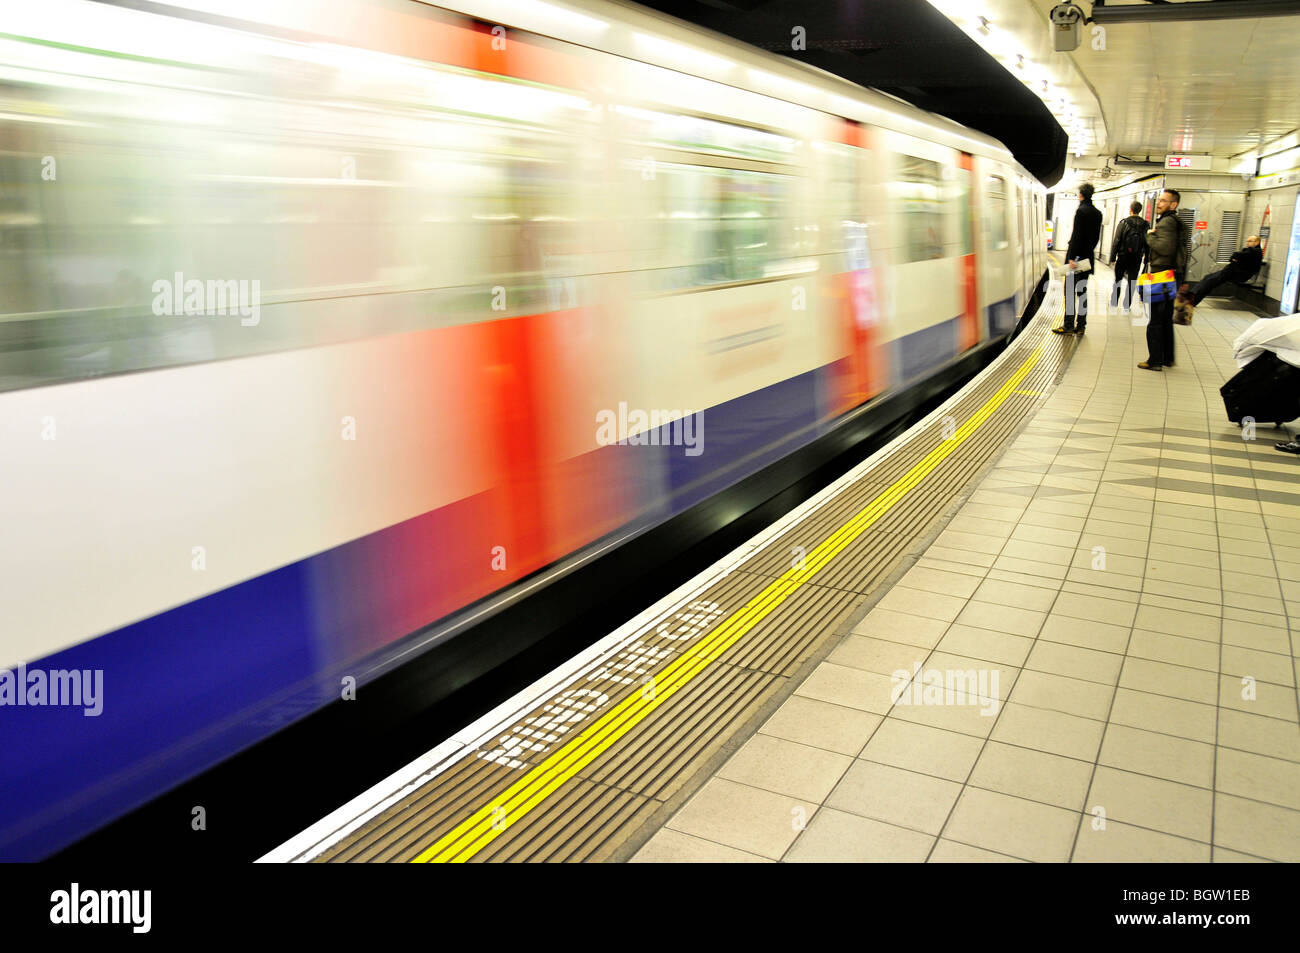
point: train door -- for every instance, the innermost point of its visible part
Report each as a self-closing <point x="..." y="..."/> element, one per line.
<point x="971" y="327"/>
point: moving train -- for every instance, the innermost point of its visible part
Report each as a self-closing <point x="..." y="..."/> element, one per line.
<point x="324" y="322"/>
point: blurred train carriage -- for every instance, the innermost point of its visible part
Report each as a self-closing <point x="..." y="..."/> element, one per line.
<point x="467" y="244"/>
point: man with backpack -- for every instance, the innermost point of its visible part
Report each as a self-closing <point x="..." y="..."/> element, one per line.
<point x="1167" y="259"/>
<point x="1126" y="254"/>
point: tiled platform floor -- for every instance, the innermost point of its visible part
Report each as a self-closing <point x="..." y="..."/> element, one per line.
<point x="1130" y="570"/>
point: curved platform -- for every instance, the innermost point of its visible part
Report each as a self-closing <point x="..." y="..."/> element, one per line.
<point x="576" y="767"/>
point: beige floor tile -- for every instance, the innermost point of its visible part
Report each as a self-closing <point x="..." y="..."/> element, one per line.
<point x="1118" y="596"/>
<point x="951" y="852"/>
<point x="985" y="644"/>
<point x="1000" y="529"/>
<point x="673" y="847"/>
<point x="1122" y="843"/>
<point x="943" y="565"/>
<point x="896" y="796"/>
<point x="785" y="767"/>
<point x="976" y="720"/>
<point x="993" y="511"/>
<point x="749" y="819"/>
<point x="1250" y="584"/>
<point x="1048" y="583"/>
<point x="1164" y="554"/>
<point x="1035" y="775"/>
<point x="1177" y="590"/>
<point x="923" y="749"/>
<point x="850" y="687"/>
<point x="901" y="627"/>
<point x="997" y="592"/>
<point x="840" y="837"/>
<point x="1161" y="805"/>
<point x="1052" y="731"/>
<point x="1073" y="696"/>
<point x="1261" y="638"/>
<point x="1224" y="856"/>
<point x="1128" y="530"/>
<point x="1012" y="825"/>
<point x="1085" y="633"/>
<point x="1087" y="664"/>
<point x="1051" y="535"/>
<point x="1101" y="577"/>
<point x="1161" y="678"/>
<point x="966" y="677"/>
<point x="944" y="583"/>
<point x="1159" y="755"/>
<point x="1269" y="736"/>
<point x="967" y="558"/>
<point x="1159" y="647"/>
<point x="1118" y="545"/>
<point x="974" y="542"/>
<point x="1259" y="777"/>
<point x="877" y="655"/>
<point x="1257" y="698"/>
<point x="1181" y="573"/>
<point x="1175" y="537"/>
<point x="927" y="605"/>
<point x="1264" y="666"/>
<point x="822" y="725"/>
<point x="1253" y="827"/>
<point x="1013" y="621"/>
<point x="1191" y="625"/>
<point x="1038" y="552"/>
<point x="1161" y="713"/>
<point x="1030" y="567"/>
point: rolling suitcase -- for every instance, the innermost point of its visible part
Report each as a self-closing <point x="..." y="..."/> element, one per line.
<point x="1267" y="390"/>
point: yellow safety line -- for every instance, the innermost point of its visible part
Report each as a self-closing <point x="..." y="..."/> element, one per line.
<point x="487" y="823"/>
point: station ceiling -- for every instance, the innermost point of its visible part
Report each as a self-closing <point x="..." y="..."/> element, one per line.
<point x="1211" y="86"/>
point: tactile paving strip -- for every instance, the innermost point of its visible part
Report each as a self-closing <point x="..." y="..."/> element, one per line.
<point x="587" y="812"/>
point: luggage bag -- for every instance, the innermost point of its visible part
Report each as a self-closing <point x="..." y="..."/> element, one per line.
<point x="1267" y="390"/>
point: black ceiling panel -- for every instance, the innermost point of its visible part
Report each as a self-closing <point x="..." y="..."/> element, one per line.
<point x="903" y="47"/>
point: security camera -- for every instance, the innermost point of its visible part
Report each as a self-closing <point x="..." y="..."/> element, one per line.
<point x="1067" y="26"/>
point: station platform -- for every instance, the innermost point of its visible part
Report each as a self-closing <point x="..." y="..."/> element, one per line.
<point x="1051" y="622"/>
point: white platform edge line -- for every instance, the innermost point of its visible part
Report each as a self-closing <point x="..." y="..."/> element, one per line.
<point x="341" y="822"/>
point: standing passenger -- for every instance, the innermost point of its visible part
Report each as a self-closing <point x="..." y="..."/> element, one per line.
<point x="1083" y="239"/>
<point x="1166" y="251"/>
<point x="1126" y="254"/>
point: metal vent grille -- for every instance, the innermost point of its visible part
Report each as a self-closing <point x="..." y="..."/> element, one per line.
<point x="1188" y="217"/>
<point x="1229" y="237"/>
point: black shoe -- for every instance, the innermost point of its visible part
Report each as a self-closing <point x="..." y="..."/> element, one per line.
<point x="1149" y="367"/>
<point x="1079" y="330"/>
<point x="1289" y="447"/>
<point x="1062" y="330"/>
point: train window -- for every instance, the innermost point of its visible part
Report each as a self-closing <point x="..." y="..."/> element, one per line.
<point x="996" y="186"/>
<point x="719" y="226"/>
<point x="963" y="202"/>
<point x="845" y="216"/>
<point x="920" y="189"/>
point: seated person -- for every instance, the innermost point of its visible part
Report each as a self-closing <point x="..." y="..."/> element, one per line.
<point x="1241" y="268"/>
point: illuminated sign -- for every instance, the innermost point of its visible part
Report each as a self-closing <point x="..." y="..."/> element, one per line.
<point x="1193" y="163"/>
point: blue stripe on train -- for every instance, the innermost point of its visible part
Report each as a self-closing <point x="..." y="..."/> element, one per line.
<point x="191" y="686"/>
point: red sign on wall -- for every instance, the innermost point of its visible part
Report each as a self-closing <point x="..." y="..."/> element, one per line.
<point x="1202" y="225"/>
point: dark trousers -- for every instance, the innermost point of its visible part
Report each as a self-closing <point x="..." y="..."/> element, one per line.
<point x="1210" y="282"/>
<point x="1126" y="273"/>
<point x="1076" y="300"/>
<point x="1160" y="333"/>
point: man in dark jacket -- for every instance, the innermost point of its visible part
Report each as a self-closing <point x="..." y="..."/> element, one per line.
<point x="1241" y="268"/>
<point x="1083" y="240"/>
<point x="1126" y="254"/>
<point x="1166" y="251"/>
